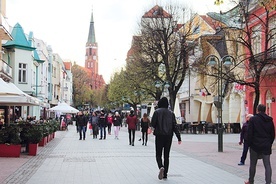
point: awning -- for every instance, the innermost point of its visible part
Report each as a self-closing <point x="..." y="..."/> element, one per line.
<point x="10" y="95"/>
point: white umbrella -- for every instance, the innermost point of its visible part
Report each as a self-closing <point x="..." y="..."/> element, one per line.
<point x="151" y="111"/>
<point x="5" y="89"/>
<point x="177" y="112"/>
<point x="64" y="108"/>
<point x="10" y="95"/>
<point x="30" y="99"/>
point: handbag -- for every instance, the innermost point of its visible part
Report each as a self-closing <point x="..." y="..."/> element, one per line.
<point x="149" y="130"/>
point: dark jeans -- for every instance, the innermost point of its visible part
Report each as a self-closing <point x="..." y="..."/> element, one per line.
<point x="252" y="168"/>
<point x="102" y="132"/>
<point x="109" y="128"/>
<point x="145" y="137"/>
<point x="163" y="143"/>
<point x="82" y="131"/>
<point x="131" y="141"/>
<point x="95" y="130"/>
<point x="244" y="152"/>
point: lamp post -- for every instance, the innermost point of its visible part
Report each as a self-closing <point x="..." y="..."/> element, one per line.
<point x="218" y="100"/>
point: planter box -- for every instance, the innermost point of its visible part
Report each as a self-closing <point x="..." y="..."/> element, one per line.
<point x="33" y="149"/>
<point x="43" y="141"/>
<point x="54" y="134"/>
<point x="10" y="150"/>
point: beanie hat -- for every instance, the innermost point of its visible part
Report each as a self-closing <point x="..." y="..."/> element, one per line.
<point x="163" y="103"/>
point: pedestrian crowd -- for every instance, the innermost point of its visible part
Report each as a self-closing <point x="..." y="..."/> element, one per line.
<point x="257" y="134"/>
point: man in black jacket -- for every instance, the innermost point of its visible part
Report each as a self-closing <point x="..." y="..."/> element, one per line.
<point x="102" y="124"/>
<point x="261" y="134"/>
<point x="243" y="139"/>
<point x="81" y="122"/>
<point x="164" y="123"/>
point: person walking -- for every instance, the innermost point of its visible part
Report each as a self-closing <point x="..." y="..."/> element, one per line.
<point x="261" y="135"/>
<point x="109" y="122"/>
<point x="131" y="122"/>
<point x="82" y="123"/>
<point x="102" y="124"/>
<point x="145" y="122"/>
<point x="117" y="122"/>
<point x="164" y="123"/>
<point x="94" y="121"/>
<point x="243" y="139"/>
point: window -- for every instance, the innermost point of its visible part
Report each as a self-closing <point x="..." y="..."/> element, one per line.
<point x="272" y="32"/>
<point x="196" y="30"/>
<point x="54" y="72"/>
<point x="256" y="39"/>
<point x="22" y="73"/>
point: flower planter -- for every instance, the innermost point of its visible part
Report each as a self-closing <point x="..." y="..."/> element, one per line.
<point x="43" y="141"/>
<point x="33" y="149"/>
<point x="54" y="134"/>
<point x="10" y="150"/>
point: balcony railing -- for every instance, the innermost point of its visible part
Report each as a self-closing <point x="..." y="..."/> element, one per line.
<point x="5" y="70"/>
<point x="4" y="29"/>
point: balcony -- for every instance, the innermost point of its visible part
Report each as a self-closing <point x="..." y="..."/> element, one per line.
<point x="5" y="70"/>
<point x="4" y="29"/>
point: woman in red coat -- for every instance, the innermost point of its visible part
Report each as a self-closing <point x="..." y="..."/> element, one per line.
<point x="131" y="122"/>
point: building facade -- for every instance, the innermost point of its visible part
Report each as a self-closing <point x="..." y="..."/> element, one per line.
<point x="91" y="58"/>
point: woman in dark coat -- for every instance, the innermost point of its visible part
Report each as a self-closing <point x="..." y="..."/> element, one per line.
<point x="131" y="122"/>
<point x="145" y="122"/>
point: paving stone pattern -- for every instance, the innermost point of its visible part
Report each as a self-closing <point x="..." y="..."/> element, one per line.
<point x="68" y="160"/>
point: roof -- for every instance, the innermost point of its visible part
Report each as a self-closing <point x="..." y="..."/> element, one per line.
<point x="67" y="65"/>
<point x="91" y="40"/>
<point x="231" y="18"/>
<point x="157" y="12"/>
<point x="211" y="22"/>
<point x="19" y="39"/>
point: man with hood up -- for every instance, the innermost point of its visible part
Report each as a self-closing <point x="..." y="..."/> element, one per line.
<point x="261" y="134"/>
<point x="164" y="123"/>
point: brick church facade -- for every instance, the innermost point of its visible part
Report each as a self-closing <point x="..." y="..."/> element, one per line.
<point x="91" y="58"/>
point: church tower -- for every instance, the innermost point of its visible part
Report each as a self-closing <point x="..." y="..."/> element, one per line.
<point x="91" y="55"/>
<point x="91" y="59"/>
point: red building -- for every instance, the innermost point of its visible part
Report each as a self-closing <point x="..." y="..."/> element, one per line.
<point x="91" y="58"/>
<point x="261" y="18"/>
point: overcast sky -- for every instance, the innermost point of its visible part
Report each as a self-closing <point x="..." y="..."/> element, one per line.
<point x="64" y="25"/>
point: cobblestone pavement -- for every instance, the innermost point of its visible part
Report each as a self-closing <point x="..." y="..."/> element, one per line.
<point x="67" y="160"/>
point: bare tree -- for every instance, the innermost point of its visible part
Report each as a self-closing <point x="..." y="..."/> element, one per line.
<point x="163" y="49"/>
<point x="254" y="32"/>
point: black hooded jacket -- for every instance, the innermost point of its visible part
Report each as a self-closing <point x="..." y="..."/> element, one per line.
<point x="261" y="133"/>
<point x="163" y="120"/>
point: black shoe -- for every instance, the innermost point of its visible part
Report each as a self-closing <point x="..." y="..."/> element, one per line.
<point x="100" y="138"/>
<point x="143" y="144"/>
<point x="241" y="163"/>
<point x="80" y="139"/>
<point x="132" y="144"/>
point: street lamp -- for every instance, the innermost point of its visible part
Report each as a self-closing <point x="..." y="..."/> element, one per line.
<point x="220" y="62"/>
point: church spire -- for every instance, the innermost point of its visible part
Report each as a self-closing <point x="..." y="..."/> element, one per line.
<point x="91" y="35"/>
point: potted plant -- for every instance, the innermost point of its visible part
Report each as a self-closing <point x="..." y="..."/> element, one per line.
<point x="32" y="135"/>
<point x="45" y="132"/>
<point x="10" y="142"/>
